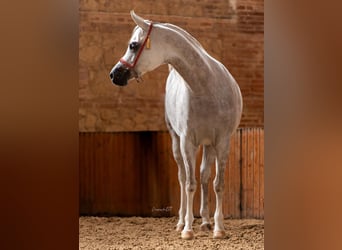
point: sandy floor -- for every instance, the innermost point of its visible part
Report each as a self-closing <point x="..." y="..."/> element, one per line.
<point x="159" y="233"/>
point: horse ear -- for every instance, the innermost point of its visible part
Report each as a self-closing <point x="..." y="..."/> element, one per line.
<point x="140" y="21"/>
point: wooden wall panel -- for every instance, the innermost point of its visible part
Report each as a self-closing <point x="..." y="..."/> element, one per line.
<point x="134" y="173"/>
<point x="233" y="179"/>
<point x="261" y="176"/>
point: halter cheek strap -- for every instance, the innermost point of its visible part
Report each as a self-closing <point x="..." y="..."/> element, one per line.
<point x="146" y="42"/>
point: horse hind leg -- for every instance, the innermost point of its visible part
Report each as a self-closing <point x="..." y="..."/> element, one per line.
<point x="208" y="158"/>
<point x="181" y="177"/>
<point x="222" y="155"/>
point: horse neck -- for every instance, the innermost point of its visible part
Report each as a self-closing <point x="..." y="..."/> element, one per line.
<point x="188" y="57"/>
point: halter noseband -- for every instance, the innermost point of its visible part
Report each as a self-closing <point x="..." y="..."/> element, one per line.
<point x="146" y="42"/>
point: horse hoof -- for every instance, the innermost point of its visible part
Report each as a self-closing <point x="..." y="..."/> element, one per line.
<point x="219" y="235"/>
<point x="205" y="227"/>
<point x="187" y="235"/>
<point x="179" y="227"/>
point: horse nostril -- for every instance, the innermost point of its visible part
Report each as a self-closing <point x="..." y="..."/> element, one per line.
<point x="111" y="75"/>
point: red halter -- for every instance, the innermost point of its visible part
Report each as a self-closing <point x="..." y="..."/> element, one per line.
<point x="132" y="65"/>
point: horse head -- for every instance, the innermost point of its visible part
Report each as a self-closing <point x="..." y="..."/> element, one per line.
<point x="142" y="55"/>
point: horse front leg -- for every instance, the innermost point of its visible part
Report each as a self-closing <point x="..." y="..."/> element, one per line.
<point x="181" y="177"/>
<point x="188" y="151"/>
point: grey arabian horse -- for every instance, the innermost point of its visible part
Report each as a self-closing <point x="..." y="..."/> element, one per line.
<point x="203" y="106"/>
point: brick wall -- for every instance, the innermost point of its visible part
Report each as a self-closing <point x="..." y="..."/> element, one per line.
<point x="231" y="31"/>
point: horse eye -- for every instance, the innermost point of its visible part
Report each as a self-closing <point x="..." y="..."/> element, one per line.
<point x="133" y="45"/>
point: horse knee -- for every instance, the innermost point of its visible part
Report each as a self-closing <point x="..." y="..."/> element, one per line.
<point x="218" y="186"/>
<point x="179" y="160"/>
<point x="219" y="190"/>
<point x="191" y="186"/>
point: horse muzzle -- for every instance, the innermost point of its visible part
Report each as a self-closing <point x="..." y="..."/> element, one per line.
<point x="120" y="74"/>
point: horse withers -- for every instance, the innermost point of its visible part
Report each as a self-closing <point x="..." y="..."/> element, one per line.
<point x="203" y="106"/>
